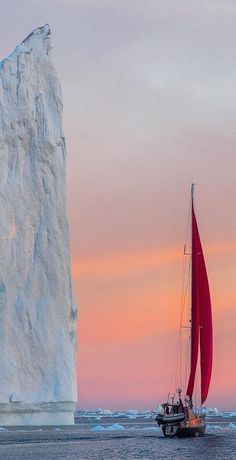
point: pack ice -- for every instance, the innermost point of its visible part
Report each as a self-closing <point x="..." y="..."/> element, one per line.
<point x="37" y="315"/>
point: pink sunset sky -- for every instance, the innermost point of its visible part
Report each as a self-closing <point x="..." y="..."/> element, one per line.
<point x="149" y="107"/>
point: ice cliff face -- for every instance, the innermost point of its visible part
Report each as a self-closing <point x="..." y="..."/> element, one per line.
<point x="37" y="317"/>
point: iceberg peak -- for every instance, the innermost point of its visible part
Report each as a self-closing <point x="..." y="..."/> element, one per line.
<point x="37" y="41"/>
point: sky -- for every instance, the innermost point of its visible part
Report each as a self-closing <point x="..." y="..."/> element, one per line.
<point x="149" y="107"/>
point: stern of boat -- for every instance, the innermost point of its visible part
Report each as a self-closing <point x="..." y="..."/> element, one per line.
<point x="190" y="428"/>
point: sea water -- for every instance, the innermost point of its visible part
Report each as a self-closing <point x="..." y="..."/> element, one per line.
<point x="105" y="435"/>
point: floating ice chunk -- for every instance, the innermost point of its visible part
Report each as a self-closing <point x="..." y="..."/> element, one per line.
<point x="213" y="427"/>
<point x="98" y="428"/>
<point x="88" y="414"/>
<point x="3" y="429"/>
<point x="104" y="412"/>
<point x="119" y="414"/>
<point x="216" y="411"/>
<point x="231" y="426"/>
<point x="209" y="411"/>
<point x="114" y="427"/>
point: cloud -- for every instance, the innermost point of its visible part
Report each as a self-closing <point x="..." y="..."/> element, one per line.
<point x="124" y="264"/>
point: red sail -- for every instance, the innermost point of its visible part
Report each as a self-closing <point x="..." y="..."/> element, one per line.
<point x="206" y="335"/>
<point x="195" y="317"/>
<point x="201" y="317"/>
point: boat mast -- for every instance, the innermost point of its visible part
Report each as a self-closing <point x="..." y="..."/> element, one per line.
<point x="191" y="277"/>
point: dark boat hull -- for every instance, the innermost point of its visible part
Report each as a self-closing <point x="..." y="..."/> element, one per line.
<point x="191" y="432"/>
<point x="171" y="431"/>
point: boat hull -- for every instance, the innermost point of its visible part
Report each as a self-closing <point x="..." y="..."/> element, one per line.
<point x="190" y="432"/>
<point x="179" y="431"/>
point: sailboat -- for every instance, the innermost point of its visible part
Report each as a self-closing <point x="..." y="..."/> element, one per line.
<point x="179" y="418"/>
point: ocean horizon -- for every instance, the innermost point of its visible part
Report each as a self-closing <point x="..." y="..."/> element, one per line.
<point x="119" y="435"/>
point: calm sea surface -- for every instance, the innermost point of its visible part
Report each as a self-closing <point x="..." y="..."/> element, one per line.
<point x="120" y="437"/>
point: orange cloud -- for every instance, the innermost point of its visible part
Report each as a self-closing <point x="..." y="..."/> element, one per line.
<point x="120" y="264"/>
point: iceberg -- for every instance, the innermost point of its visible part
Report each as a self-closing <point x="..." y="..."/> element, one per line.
<point x="104" y="412"/>
<point x="37" y="313"/>
<point x="231" y="426"/>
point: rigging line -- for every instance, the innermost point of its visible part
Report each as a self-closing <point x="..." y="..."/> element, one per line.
<point x="181" y="318"/>
<point x="177" y="361"/>
<point x="188" y="226"/>
<point x="196" y="389"/>
<point x="187" y="360"/>
<point x="187" y="348"/>
<point x="184" y="297"/>
<point x="186" y="364"/>
<point x="186" y="289"/>
<point x="185" y="268"/>
<point x="174" y="372"/>
<point x="174" y="369"/>
<point x="189" y="337"/>
<point x="177" y="365"/>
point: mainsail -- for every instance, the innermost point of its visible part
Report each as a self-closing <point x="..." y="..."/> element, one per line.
<point x="201" y="318"/>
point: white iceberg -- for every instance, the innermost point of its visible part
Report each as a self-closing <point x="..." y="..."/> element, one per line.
<point x="37" y="314"/>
